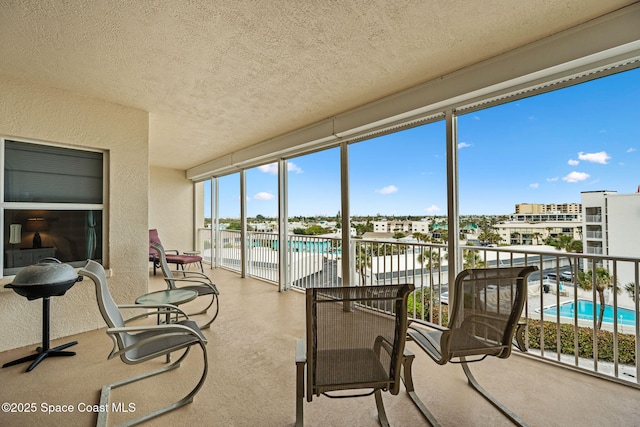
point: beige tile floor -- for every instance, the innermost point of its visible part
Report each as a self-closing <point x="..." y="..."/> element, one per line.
<point x="251" y="379"/>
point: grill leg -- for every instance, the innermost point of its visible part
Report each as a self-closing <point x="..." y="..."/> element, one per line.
<point x="44" y="351"/>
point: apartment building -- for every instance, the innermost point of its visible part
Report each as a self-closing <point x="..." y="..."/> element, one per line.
<point x="537" y="208"/>
<point x="612" y="227"/>
<point x="611" y="223"/>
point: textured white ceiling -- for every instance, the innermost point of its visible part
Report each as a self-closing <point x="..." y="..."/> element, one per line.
<point x="218" y="76"/>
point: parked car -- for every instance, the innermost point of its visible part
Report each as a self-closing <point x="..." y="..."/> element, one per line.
<point x="553" y="277"/>
<point x="567" y="276"/>
<point x="444" y="298"/>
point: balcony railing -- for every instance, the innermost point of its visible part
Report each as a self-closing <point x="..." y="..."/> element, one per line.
<point x="561" y="317"/>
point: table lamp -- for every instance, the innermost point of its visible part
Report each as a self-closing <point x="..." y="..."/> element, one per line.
<point x="15" y="233"/>
<point x="36" y="225"/>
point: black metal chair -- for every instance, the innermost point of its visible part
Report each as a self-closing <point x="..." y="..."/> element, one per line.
<point x="355" y="340"/>
<point x="138" y="344"/>
<point x="484" y="316"/>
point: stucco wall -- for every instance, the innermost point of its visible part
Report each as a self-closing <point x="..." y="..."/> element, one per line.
<point x="38" y="113"/>
<point x="171" y="208"/>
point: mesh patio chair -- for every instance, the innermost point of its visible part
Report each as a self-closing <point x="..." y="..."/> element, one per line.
<point x="173" y="255"/>
<point x="483" y="319"/>
<point x="355" y="340"/>
<point x="193" y="280"/>
<point x="138" y="344"/>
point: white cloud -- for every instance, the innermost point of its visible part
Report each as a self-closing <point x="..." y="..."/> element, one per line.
<point x="534" y="185"/>
<point x="292" y="167"/>
<point x="432" y="209"/>
<point x="554" y="179"/>
<point x="600" y="157"/>
<point x="389" y="189"/>
<point x="272" y="168"/>
<point x="573" y="162"/>
<point x="576" y="177"/>
<point x="263" y="195"/>
<point x="631" y="150"/>
<point x="463" y="145"/>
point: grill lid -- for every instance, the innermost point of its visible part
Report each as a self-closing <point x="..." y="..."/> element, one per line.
<point x="48" y="271"/>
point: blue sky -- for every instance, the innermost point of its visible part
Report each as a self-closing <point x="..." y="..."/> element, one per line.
<point x="543" y="149"/>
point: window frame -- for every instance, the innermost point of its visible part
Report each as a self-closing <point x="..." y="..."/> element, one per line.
<point x="46" y="206"/>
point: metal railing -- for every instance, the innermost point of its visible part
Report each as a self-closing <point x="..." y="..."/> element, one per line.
<point x="562" y="317"/>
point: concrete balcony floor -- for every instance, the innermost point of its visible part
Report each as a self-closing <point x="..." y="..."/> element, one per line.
<point x="251" y="379"/>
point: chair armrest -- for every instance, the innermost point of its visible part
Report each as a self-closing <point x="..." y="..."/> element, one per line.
<point x="428" y="343"/>
<point x="168" y="309"/>
<point x="192" y="280"/>
<point x="191" y="275"/>
<point x="170" y="329"/>
<point x="165" y="327"/>
<point x="382" y="342"/>
<point x="301" y="351"/>
<point x="196" y="281"/>
<point x="425" y="324"/>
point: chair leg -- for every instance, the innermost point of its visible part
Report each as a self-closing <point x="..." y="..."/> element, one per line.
<point x="382" y="415"/>
<point x="203" y="311"/>
<point x="407" y="378"/>
<point x="519" y="338"/>
<point x="300" y="363"/>
<point x="502" y="408"/>
<point x="208" y="324"/>
<point x="106" y="390"/>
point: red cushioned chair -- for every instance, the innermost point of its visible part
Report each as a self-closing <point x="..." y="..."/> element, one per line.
<point x="180" y="260"/>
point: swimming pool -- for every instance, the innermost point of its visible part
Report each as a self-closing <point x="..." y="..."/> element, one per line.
<point x="585" y="312"/>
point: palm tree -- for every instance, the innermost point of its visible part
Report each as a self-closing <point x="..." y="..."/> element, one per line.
<point x="603" y="280"/>
<point x="537" y="236"/>
<point x="472" y="259"/>
<point x="631" y="289"/>
<point x="421" y="237"/>
<point x="564" y="242"/>
<point x="363" y="261"/>
<point x="567" y="243"/>
<point x="429" y="257"/>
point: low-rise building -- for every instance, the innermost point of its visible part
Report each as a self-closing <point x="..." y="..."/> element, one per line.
<point x="525" y="233"/>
